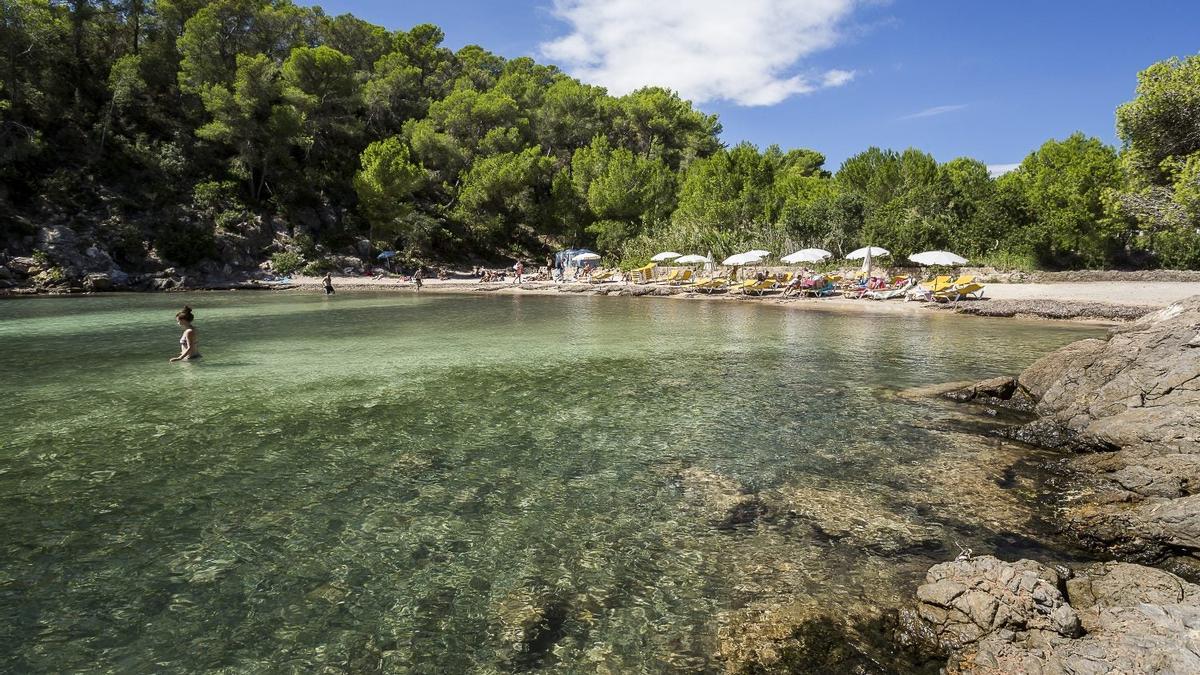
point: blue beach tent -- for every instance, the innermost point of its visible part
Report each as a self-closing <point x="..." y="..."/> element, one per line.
<point x="565" y="259"/>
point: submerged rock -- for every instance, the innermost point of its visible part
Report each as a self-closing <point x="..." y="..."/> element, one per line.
<point x="723" y="502"/>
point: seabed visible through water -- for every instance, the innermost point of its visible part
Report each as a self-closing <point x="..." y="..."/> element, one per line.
<point x="484" y="484"/>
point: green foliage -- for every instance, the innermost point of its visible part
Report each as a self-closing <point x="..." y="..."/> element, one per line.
<point x="384" y="184"/>
<point x="286" y="262"/>
<point x="315" y="268"/>
<point x="1162" y="123"/>
<point x="1062" y="184"/>
<point x="229" y="112"/>
<point x="255" y="122"/>
<point x="186" y="243"/>
<point x="503" y="191"/>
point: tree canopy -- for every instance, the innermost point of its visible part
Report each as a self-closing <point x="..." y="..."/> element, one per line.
<point x="167" y="126"/>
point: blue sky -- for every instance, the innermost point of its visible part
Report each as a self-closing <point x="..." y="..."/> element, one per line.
<point x="990" y="80"/>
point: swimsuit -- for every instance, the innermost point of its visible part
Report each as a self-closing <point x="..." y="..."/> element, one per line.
<point x="183" y="342"/>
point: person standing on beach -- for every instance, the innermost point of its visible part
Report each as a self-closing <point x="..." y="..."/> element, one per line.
<point x="328" y="281"/>
<point x="519" y="268"/>
<point x="188" y="341"/>
<point x="417" y="276"/>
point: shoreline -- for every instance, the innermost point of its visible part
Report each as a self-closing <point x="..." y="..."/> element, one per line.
<point x="1080" y="302"/>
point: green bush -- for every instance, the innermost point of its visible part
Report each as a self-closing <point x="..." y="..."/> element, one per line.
<point x="286" y="262"/>
<point x="186" y="243"/>
<point x="318" y="268"/>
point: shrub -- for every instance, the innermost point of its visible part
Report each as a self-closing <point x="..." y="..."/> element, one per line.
<point x="318" y="267"/>
<point x="286" y="262"/>
<point x="186" y="243"/>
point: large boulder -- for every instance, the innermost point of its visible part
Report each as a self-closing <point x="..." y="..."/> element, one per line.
<point x="1141" y="387"/>
<point x="967" y="600"/>
<point x="1131" y="404"/>
<point x="1000" y="617"/>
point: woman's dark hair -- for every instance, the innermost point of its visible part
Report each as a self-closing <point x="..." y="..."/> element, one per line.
<point x="185" y="314"/>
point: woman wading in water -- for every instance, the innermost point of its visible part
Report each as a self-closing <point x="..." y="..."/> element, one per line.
<point x="187" y="341"/>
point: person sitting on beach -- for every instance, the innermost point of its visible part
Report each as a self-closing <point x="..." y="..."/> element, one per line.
<point x="442" y="276"/>
<point x="760" y="276"/>
<point x="793" y="285"/>
<point x="188" y="341"/>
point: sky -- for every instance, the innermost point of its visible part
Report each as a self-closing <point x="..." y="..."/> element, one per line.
<point x="977" y="78"/>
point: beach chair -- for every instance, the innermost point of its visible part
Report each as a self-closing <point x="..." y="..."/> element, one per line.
<point x="963" y="280"/>
<point x="683" y="278"/>
<point x="642" y="275"/>
<point x="761" y="287"/>
<point x="600" y="277"/>
<point x="820" y="290"/>
<point x="671" y="277"/>
<point x="713" y="285"/>
<point x="956" y="293"/>
<point x="898" y="290"/>
<point x="939" y="283"/>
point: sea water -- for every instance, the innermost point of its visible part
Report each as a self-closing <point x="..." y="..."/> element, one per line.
<point x="451" y="483"/>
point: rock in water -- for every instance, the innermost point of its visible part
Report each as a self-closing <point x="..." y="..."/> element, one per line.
<point x="999" y="617"/>
<point x="1134" y="398"/>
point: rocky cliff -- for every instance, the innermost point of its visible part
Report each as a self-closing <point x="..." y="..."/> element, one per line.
<point x="1126" y="412"/>
<point x="1127" y="409"/>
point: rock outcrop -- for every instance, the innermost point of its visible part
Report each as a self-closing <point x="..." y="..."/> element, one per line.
<point x="999" y="617"/>
<point x="1129" y="406"/>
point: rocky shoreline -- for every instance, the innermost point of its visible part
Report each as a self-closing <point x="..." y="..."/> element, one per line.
<point x="1125" y="414"/>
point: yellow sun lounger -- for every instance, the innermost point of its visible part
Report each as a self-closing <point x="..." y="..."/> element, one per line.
<point x="939" y="283"/>
<point x="683" y="278"/>
<point x="708" y="285"/>
<point x="673" y="276"/>
<point x="760" y="287"/>
<point x="599" y="277"/>
<point x="642" y="275"/>
<point x="956" y="293"/>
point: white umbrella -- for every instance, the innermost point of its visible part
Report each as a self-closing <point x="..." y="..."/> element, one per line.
<point x="585" y="256"/>
<point x="747" y="258"/>
<point x="665" y="255"/>
<point x="937" y="258"/>
<point x="692" y="259"/>
<point x="873" y="251"/>
<point x="806" y="255"/>
<point x="760" y="253"/>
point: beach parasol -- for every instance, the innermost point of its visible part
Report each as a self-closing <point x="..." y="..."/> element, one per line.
<point x="873" y="251"/>
<point x="806" y="255"/>
<point x="759" y="252"/>
<point x="584" y="257"/>
<point x="938" y="258"/>
<point x="692" y="259"/>
<point x="747" y="258"/>
<point x="665" y="255"/>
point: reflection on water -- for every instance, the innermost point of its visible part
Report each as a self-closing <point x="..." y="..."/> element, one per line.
<point x="452" y="484"/>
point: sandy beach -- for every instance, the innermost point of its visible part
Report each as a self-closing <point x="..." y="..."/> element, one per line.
<point x="1092" y="300"/>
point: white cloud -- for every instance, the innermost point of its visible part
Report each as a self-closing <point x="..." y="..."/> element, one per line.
<point x="997" y="170"/>
<point x="935" y="111"/>
<point x="748" y="52"/>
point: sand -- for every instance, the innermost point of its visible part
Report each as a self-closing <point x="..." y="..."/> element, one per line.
<point x="1091" y="301"/>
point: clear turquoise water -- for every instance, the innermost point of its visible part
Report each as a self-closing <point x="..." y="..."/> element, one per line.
<point x="464" y="484"/>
